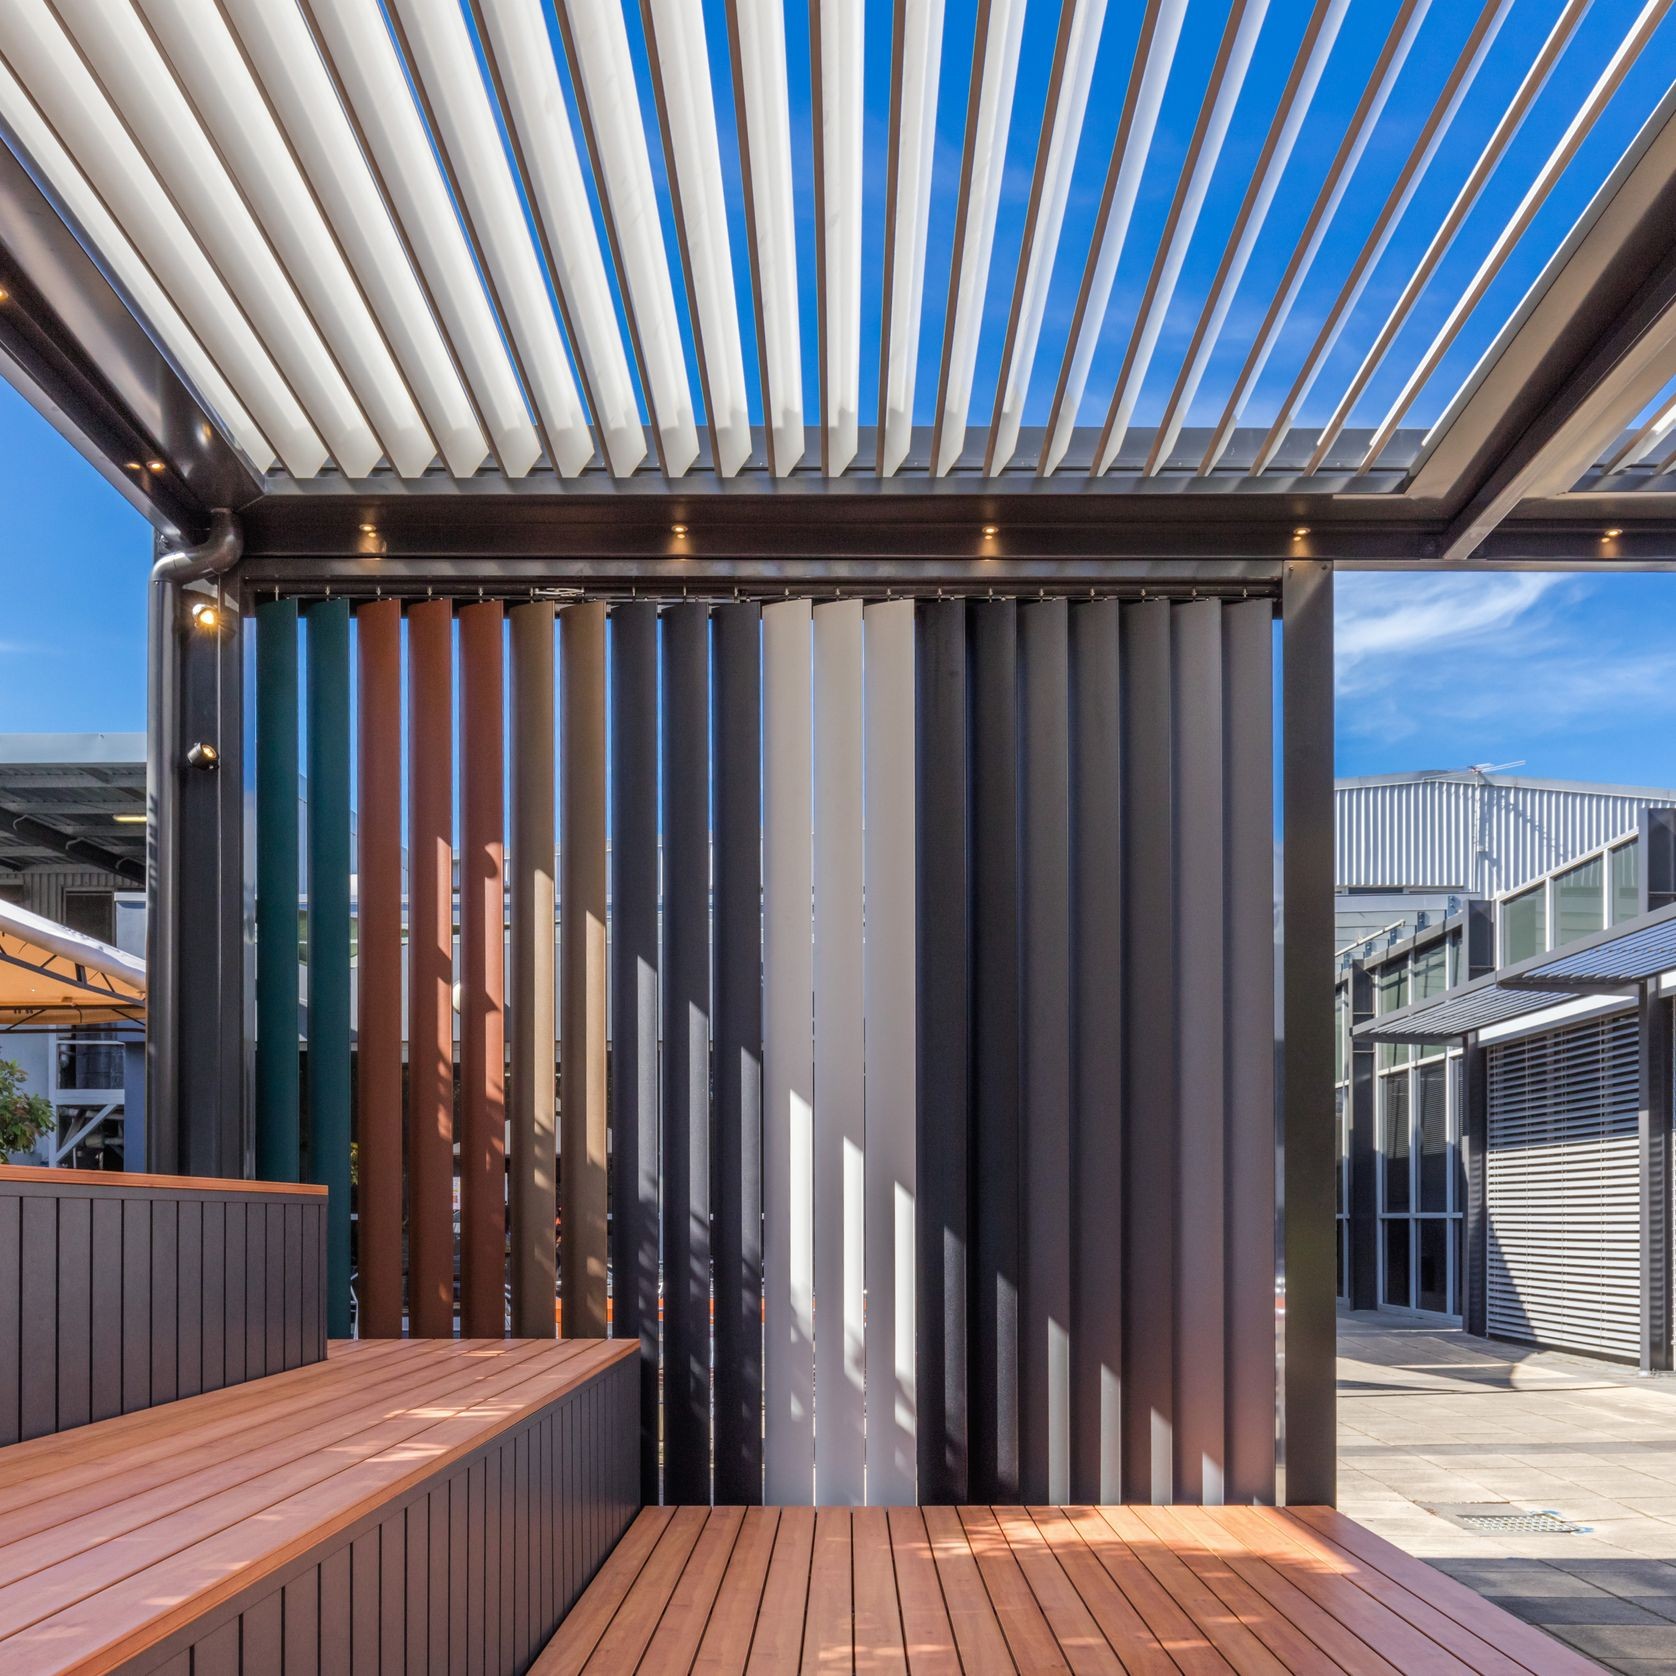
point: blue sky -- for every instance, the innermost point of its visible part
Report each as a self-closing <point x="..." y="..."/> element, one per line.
<point x="1572" y="675"/>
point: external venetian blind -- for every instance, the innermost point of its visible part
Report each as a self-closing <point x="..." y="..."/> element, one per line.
<point x="1562" y="1266"/>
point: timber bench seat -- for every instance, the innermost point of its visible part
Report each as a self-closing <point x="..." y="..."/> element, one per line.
<point x="1154" y="1591"/>
<point x="402" y="1505"/>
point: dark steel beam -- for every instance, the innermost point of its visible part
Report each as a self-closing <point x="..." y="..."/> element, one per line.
<point x="77" y="350"/>
<point x="1622" y="371"/>
<point x="1578" y="359"/>
<point x="1309" y="1417"/>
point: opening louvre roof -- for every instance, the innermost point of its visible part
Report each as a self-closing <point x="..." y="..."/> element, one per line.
<point x="1278" y="245"/>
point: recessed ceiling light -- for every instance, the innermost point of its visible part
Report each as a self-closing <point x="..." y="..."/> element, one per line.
<point x="990" y="531"/>
<point x="1611" y="534"/>
<point x="1300" y="532"/>
<point x="678" y="529"/>
<point x="154" y="465"/>
<point x="369" y="529"/>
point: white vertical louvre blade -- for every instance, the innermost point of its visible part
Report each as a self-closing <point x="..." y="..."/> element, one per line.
<point x="230" y="103"/>
<point x="1369" y="109"/>
<point x="597" y="41"/>
<point x="840" y="1141"/>
<point x="891" y="1053"/>
<point x="788" y="1056"/>
<point x="63" y="100"/>
<point x="1536" y="195"/>
<point x="1080" y="25"/>
<point x="1420" y="273"/>
<point x="1233" y="59"/>
<point x="836" y="42"/>
<point x="915" y="65"/>
<point x="357" y="45"/>
<point x="989" y="119"/>
<point x="122" y="55"/>
<point x="759" y="60"/>
<point x="522" y="55"/>
<point x="1154" y="54"/>
<point x="306" y="105"/>
<point x="681" y="64"/>
<point x="445" y="64"/>
<point x="1296" y="97"/>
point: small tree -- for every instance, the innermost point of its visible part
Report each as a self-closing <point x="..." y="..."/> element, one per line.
<point x="24" y="1117"/>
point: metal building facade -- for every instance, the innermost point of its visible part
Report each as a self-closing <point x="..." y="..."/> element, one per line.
<point x="1470" y="832"/>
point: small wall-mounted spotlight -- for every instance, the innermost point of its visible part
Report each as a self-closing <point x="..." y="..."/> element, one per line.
<point x="679" y="531"/>
<point x="206" y="616"/>
<point x="1611" y="534"/>
<point x="5" y="295"/>
<point x="204" y="755"/>
<point x="1300" y="532"/>
<point x="369" y="529"/>
<point x="156" y="465"/>
<point x="990" y="531"/>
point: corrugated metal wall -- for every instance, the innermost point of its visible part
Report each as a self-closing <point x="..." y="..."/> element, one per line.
<point x="1562" y="1189"/>
<point x="1461" y="832"/>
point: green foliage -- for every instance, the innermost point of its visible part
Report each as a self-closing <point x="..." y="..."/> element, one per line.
<point x="24" y="1117"/>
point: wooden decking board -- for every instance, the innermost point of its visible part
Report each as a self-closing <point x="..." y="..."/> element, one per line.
<point x="1431" y="1642"/>
<point x="926" y="1631"/>
<point x="941" y="1591"/>
<point x="1295" y="1651"/>
<point x="1125" y="1630"/>
<point x="777" y="1645"/>
<point x="119" y="1563"/>
<point x="733" y="1619"/>
<point x="112" y="1543"/>
<point x="1215" y="1621"/>
<point x="149" y="1480"/>
<point x="1346" y="1650"/>
<point x="1529" y="1646"/>
<point x="879" y="1646"/>
<point x="23" y="1463"/>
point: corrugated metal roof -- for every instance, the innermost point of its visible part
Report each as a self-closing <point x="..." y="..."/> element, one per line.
<point x="1472" y="833"/>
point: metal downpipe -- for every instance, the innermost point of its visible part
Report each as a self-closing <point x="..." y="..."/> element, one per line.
<point x="214" y="556"/>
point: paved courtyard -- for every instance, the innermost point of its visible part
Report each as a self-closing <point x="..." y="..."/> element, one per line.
<point x="1431" y="1419"/>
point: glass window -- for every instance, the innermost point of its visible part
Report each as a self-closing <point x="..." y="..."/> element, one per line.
<point x="1341" y="1009"/>
<point x="1433" y="1137"/>
<point x="1431" y="975"/>
<point x="1524" y="926"/>
<point x="1339" y="1143"/>
<point x="1580" y="901"/>
<point x="1396" y="1263"/>
<point x="1390" y="993"/>
<point x="1397" y="1189"/>
<point x="1626" y="882"/>
<point x="1433" y="1276"/>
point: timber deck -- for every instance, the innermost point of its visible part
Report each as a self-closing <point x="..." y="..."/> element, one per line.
<point x="1148" y="1590"/>
<point x="398" y="1497"/>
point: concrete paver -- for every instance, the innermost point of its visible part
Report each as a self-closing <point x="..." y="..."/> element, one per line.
<point x="1429" y="1417"/>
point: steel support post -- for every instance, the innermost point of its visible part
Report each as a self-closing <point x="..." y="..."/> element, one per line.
<point x="195" y="1095"/>
<point x="1364" y="1151"/>
<point x="1655" y="1180"/>
<point x="1309" y="1437"/>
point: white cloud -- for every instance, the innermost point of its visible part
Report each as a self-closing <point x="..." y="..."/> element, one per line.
<point x="1433" y="657"/>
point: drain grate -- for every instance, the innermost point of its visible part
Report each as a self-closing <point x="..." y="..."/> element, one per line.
<point x="1517" y="1521"/>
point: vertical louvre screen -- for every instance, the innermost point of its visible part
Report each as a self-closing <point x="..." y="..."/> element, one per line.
<point x="877" y="1000"/>
<point x="1562" y="1189"/>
